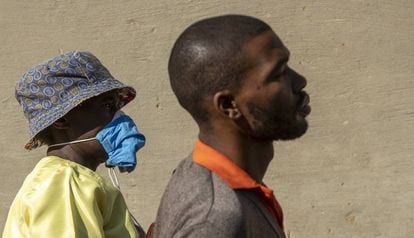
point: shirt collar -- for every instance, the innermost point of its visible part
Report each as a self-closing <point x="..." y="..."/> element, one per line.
<point x="234" y="176"/>
<point x="223" y="167"/>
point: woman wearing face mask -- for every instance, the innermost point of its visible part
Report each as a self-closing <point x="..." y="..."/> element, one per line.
<point x="73" y="104"/>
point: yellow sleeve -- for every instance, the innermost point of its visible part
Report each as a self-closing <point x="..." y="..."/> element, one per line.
<point x="67" y="203"/>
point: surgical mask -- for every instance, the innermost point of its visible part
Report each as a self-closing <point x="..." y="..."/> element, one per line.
<point x="120" y="139"/>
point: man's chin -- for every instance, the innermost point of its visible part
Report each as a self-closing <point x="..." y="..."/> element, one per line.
<point x="280" y="136"/>
<point x="290" y="137"/>
<point x="276" y="130"/>
<point x="292" y="133"/>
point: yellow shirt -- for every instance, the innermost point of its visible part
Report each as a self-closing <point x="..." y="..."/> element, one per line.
<point x="60" y="198"/>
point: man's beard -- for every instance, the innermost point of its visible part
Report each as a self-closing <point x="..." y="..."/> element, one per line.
<point x="276" y="125"/>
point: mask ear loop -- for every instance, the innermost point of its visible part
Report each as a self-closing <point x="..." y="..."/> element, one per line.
<point x="113" y="178"/>
<point x="71" y="142"/>
<point x="115" y="182"/>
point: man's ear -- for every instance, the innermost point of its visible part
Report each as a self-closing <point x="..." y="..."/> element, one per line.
<point x="60" y="124"/>
<point x="225" y="103"/>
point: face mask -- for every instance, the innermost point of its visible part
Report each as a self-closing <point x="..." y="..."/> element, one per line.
<point x="120" y="139"/>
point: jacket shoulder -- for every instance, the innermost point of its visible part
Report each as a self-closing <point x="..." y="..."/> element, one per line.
<point x="197" y="199"/>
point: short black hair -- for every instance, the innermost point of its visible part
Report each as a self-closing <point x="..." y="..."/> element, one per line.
<point x="207" y="57"/>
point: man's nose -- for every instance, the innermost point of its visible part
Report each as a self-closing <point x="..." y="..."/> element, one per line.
<point x="298" y="81"/>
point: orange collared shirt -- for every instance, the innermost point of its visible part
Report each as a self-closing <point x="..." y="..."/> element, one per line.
<point x="234" y="176"/>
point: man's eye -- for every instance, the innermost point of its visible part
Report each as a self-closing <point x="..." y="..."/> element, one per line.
<point x="279" y="73"/>
<point x="276" y="77"/>
<point x="282" y="69"/>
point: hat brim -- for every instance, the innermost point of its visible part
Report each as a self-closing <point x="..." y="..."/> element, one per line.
<point x="126" y="94"/>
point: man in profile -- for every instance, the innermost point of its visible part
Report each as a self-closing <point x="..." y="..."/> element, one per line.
<point x="231" y="74"/>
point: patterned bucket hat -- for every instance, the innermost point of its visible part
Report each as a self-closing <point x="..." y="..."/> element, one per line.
<point x="50" y="90"/>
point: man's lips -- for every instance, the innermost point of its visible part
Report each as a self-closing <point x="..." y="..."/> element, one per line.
<point x="303" y="105"/>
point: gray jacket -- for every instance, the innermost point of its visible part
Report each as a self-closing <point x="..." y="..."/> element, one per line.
<point x="198" y="203"/>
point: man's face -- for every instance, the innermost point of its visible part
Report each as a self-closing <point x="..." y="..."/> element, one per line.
<point x="271" y="97"/>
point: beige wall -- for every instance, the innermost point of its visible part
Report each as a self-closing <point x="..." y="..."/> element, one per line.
<point x="352" y="175"/>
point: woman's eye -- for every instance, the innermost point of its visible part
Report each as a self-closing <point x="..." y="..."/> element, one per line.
<point x="108" y="106"/>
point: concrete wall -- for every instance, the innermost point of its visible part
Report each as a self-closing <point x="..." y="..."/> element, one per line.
<point x="352" y="175"/>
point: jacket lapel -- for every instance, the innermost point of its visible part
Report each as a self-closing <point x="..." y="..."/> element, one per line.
<point x="271" y="219"/>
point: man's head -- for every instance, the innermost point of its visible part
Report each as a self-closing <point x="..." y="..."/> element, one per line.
<point x="233" y="70"/>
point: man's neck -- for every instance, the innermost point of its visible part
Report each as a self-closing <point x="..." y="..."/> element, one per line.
<point x="250" y="155"/>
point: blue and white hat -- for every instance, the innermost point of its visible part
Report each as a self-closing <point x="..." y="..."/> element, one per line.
<point x="50" y="90"/>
